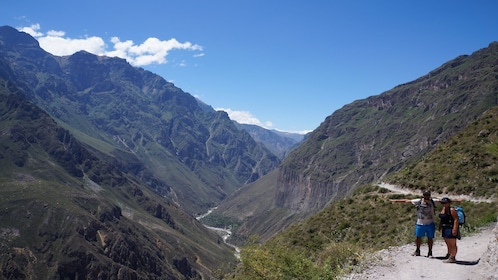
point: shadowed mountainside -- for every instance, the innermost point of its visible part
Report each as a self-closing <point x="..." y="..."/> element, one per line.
<point x="66" y="214"/>
<point x="135" y="119"/>
<point x="366" y="140"/>
<point x="279" y="143"/>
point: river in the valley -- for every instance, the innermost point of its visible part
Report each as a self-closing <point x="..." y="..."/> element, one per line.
<point x="225" y="233"/>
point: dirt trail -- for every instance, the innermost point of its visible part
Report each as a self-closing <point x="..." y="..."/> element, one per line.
<point x="477" y="258"/>
<point x="397" y="189"/>
<point x="398" y="263"/>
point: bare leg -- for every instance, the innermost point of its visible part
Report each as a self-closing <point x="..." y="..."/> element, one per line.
<point x="418" y="242"/>
<point x="452" y="250"/>
<point x="452" y="246"/>
<point x="446" y="240"/>
<point x="430" y="242"/>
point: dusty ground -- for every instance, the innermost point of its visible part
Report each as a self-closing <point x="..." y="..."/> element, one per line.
<point x="477" y="258"/>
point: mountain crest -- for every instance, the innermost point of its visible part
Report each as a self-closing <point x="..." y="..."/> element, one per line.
<point x="368" y="139"/>
<point x="12" y="38"/>
<point x="105" y="167"/>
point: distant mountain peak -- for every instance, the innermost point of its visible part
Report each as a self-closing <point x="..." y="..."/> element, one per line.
<point x="12" y="37"/>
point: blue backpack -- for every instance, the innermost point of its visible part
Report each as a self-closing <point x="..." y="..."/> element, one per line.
<point x="461" y="215"/>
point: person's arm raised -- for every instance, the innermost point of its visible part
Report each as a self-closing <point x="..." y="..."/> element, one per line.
<point x="401" y="200"/>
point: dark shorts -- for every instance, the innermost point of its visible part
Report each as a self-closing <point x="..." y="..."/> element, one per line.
<point x="447" y="233"/>
<point x="425" y="230"/>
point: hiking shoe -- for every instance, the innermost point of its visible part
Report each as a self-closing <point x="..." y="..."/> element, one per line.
<point x="417" y="253"/>
<point x="451" y="259"/>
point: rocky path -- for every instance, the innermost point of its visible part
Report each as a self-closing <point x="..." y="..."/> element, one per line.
<point x="397" y="189"/>
<point x="477" y="258"/>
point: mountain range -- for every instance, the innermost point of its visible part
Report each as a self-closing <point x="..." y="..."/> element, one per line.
<point x="365" y="141"/>
<point x="140" y="122"/>
<point x="122" y="155"/>
<point x="106" y="166"/>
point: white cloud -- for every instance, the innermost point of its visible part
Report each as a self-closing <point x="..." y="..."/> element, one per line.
<point x="55" y="43"/>
<point x="58" y="45"/>
<point x="32" y="30"/>
<point x="55" y="33"/>
<point x="151" y="51"/>
<point x="245" y="117"/>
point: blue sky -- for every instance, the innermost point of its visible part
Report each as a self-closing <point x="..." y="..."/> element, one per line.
<point x="284" y="65"/>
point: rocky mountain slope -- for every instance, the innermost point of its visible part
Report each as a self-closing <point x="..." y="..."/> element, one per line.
<point x="66" y="214"/>
<point x="279" y="143"/>
<point x="366" y="140"/>
<point x="104" y="165"/>
<point x="135" y="119"/>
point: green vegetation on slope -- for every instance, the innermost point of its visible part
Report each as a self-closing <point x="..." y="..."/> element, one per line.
<point x="336" y="239"/>
<point x="465" y="164"/>
<point x="368" y="139"/>
<point x="66" y="214"/>
<point x="142" y="124"/>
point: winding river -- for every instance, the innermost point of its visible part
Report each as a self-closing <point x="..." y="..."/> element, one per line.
<point x="225" y="233"/>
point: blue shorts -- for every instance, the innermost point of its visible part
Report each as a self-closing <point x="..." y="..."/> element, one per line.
<point x="423" y="230"/>
<point x="448" y="233"/>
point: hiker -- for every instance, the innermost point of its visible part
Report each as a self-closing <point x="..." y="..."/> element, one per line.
<point x="425" y="226"/>
<point x="450" y="229"/>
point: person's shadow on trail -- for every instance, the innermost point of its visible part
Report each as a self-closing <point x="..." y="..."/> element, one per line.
<point x="461" y="262"/>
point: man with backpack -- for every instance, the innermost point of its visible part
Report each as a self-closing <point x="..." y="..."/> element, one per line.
<point x="425" y="226"/>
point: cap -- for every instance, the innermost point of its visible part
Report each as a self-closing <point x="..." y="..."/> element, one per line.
<point x="426" y="193"/>
<point x="445" y="200"/>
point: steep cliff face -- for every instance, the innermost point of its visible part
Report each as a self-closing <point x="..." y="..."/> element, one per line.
<point x="105" y="165"/>
<point x="66" y="214"/>
<point x="138" y="121"/>
<point x="367" y="139"/>
<point x="299" y="193"/>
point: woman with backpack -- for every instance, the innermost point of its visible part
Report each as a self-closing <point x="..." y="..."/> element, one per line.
<point x="450" y="229"/>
